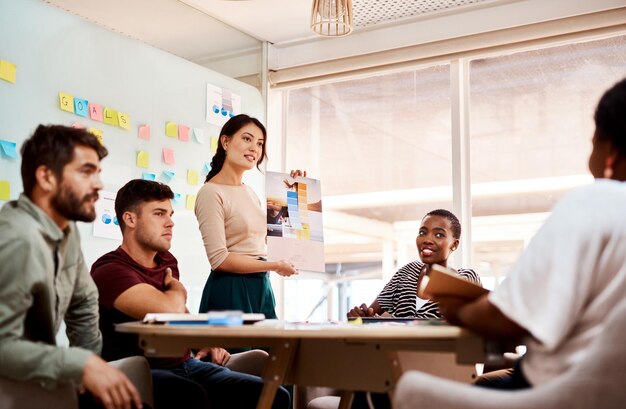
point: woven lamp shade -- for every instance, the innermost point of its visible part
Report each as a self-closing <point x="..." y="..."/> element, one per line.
<point x="331" y="18"/>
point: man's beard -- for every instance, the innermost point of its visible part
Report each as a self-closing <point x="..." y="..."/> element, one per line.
<point x="68" y="205"/>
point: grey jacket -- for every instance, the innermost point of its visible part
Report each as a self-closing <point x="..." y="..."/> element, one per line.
<point x="43" y="281"/>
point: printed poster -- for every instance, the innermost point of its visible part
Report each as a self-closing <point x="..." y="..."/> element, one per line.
<point x="106" y="224"/>
<point x="221" y="105"/>
<point x="294" y="221"/>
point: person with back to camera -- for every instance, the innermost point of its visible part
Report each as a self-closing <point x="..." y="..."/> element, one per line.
<point x="572" y="274"/>
<point x="437" y="238"/>
<point x="232" y="222"/>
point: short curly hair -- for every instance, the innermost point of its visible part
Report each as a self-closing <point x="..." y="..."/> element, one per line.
<point x="454" y="221"/>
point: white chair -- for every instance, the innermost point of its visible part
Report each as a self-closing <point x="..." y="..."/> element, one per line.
<point x="599" y="381"/>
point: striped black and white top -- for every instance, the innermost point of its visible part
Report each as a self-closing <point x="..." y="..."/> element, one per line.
<point x="399" y="296"/>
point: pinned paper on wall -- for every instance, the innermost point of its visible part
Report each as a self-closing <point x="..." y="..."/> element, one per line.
<point x="110" y="116"/>
<point x="8" y="71"/>
<point x="95" y="112"/>
<point x="8" y="148"/>
<point x="183" y="133"/>
<point x="221" y="104"/>
<point x="5" y="190"/>
<point x="78" y="125"/>
<point x="81" y="107"/>
<point x="176" y="199"/>
<point x="192" y="177"/>
<point x="168" y="156"/>
<point x="199" y="135"/>
<point x="214" y="144"/>
<point x="144" y="132"/>
<point x="148" y="176"/>
<point x="66" y="102"/>
<point x="191" y="202"/>
<point x="123" y="120"/>
<point x="168" y="175"/>
<point x="143" y="159"/>
<point x="106" y="225"/>
<point x="171" y="129"/>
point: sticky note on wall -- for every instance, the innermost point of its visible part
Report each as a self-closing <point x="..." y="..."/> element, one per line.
<point x="110" y="116"/>
<point x="81" y="107"/>
<point x="8" y="148"/>
<point x="5" y="190"/>
<point x="171" y="129"/>
<point x="98" y="133"/>
<point x="8" y="71"/>
<point x="214" y="144"/>
<point x="123" y="120"/>
<point x="66" y="102"/>
<point x="148" y="176"/>
<point x="192" y="177"/>
<point x="168" y="156"/>
<point x="183" y="133"/>
<point x="191" y="202"/>
<point x="143" y="159"/>
<point x="199" y="135"/>
<point x="95" y="112"/>
<point x="144" y="132"/>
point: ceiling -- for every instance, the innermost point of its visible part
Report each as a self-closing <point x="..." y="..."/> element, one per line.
<point x="204" y="30"/>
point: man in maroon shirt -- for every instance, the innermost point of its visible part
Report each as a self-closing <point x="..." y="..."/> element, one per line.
<point x="141" y="277"/>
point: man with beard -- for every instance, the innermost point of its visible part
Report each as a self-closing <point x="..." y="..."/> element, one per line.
<point x="140" y="277"/>
<point x="43" y="273"/>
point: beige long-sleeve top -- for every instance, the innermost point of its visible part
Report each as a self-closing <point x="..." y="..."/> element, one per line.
<point x="231" y="220"/>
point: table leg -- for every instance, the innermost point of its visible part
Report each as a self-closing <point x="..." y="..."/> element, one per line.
<point x="346" y="400"/>
<point x="281" y="357"/>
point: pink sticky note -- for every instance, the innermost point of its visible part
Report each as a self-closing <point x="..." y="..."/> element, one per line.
<point x="95" y="112"/>
<point x="168" y="156"/>
<point x="144" y="132"/>
<point x="78" y="125"/>
<point x="183" y="133"/>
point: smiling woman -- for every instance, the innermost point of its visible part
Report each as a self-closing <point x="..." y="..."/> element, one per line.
<point x="232" y="222"/>
<point x="437" y="238"/>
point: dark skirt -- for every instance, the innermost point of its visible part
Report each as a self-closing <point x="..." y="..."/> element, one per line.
<point x="250" y="293"/>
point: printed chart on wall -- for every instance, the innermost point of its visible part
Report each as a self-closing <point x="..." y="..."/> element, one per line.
<point x="294" y="221"/>
<point x="106" y="225"/>
<point x="221" y="104"/>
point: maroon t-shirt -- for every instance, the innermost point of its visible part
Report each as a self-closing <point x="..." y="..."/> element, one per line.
<point x="114" y="273"/>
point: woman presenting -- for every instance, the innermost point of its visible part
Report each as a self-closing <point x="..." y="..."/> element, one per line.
<point x="233" y="224"/>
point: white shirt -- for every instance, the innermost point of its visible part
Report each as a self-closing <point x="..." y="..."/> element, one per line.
<point x="570" y="276"/>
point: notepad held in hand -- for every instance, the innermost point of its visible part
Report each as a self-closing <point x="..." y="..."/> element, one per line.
<point x="444" y="281"/>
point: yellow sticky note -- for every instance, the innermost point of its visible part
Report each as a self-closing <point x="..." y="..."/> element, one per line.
<point x="66" y="101"/>
<point x="214" y="144"/>
<point x="171" y="129"/>
<point x="142" y="159"/>
<point x="192" y="177"/>
<point x="7" y="71"/>
<point x="5" y="190"/>
<point x="191" y="202"/>
<point x="123" y="120"/>
<point x="110" y="116"/>
<point x="98" y="133"/>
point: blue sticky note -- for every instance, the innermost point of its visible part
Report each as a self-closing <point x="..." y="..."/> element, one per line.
<point x="8" y="148"/>
<point x="207" y="168"/>
<point x="81" y="107"/>
<point x="148" y="176"/>
<point x="176" y="198"/>
<point x="168" y="175"/>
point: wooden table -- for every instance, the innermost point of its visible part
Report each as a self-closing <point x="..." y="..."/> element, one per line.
<point x="342" y="356"/>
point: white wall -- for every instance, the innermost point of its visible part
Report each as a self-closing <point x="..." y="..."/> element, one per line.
<point x="55" y="51"/>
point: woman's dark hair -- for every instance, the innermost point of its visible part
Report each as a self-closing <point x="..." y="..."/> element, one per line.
<point x="454" y="222"/>
<point x="136" y="192"/>
<point x="53" y="147"/>
<point x="610" y="117"/>
<point x="229" y="129"/>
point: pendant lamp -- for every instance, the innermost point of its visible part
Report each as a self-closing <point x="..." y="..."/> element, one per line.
<point x="331" y="18"/>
